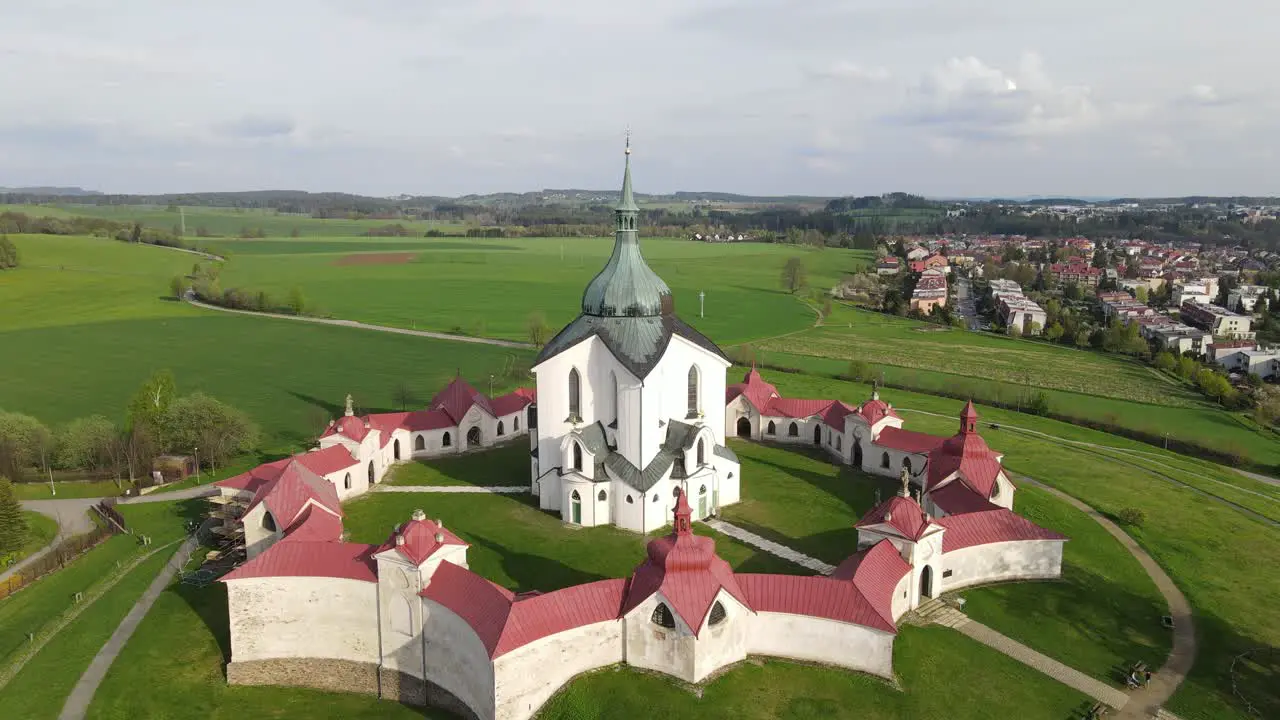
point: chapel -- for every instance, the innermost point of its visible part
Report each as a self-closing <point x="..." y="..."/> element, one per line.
<point x="630" y="401"/>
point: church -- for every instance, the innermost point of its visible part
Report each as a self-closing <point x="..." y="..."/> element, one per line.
<point x="630" y="401"/>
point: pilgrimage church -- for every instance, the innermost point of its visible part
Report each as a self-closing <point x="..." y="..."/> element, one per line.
<point x="627" y="427"/>
<point x="630" y="401"/>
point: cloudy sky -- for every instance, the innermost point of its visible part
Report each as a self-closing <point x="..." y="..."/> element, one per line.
<point x="831" y="97"/>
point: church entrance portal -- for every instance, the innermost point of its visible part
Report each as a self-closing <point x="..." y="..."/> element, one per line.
<point x="926" y="582"/>
<point x="857" y="454"/>
<point x="396" y="450"/>
<point x="473" y="437"/>
<point x="744" y="428"/>
<point x="817" y="434"/>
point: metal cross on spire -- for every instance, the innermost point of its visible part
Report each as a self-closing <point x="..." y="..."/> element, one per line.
<point x="628" y="148"/>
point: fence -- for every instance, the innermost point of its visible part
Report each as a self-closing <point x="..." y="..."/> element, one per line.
<point x="66" y="550"/>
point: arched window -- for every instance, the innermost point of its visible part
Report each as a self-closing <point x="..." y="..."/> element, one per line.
<point x="655" y="497"/>
<point x="906" y="464"/>
<point x="577" y="457"/>
<point x="268" y="522"/>
<point x="884" y="460"/>
<point x="995" y="491"/>
<point x="370" y="472"/>
<point x="630" y="501"/>
<point x="702" y="490"/>
<point x="395" y="449"/>
<point x="575" y="394"/>
<point x="575" y="496"/>
<point x="773" y="429"/>
<point x="502" y="429"/>
<point x="420" y="443"/>
<point x="702" y="457"/>
<point x="613" y="376"/>
<point x="693" y="390"/>
<point x="675" y="492"/>
<point x="601" y="496"/>
<point x="346" y="481"/>
<point x="794" y="430"/>
<point x="515" y="424"/>
<point x="837" y="442"/>
<point x="662" y="617"/>
<point x="717" y="614"/>
<point x="447" y="441"/>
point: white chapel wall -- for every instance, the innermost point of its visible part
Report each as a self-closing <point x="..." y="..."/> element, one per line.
<point x="302" y="617"/>
<point x="803" y="637"/>
<point x="995" y="562"/>
<point x="455" y="659"/>
<point x="526" y="677"/>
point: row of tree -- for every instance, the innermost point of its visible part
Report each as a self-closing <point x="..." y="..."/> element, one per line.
<point x="8" y="253"/>
<point x="205" y="283"/>
<point x="157" y="421"/>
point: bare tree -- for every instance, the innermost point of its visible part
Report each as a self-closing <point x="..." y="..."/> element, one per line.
<point x="794" y="275"/>
<point x="539" y="331"/>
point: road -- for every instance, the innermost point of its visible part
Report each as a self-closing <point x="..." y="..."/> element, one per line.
<point x="964" y="303"/>
<point x="366" y="326"/>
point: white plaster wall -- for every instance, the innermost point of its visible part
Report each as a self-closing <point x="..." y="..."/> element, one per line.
<point x="652" y="647"/>
<point x="256" y="537"/>
<point x="302" y="617"/>
<point x="434" y="441"/>
<point x="1019" y="560"/>
<point x="550" y="490"/>
<point x="804" y="429"/>
<point x="740" y="408"/>
<point x="359" y="479"/>
<point x="594" y="512"/>
<point x="399" y="613"/>
<point x="526" y="677"/>
<point x="595" y="364"/>
<point x="873" y="458"/>
<point x="901" y="597"/>
<point x="723" y="644"/>
<point x="802" y="637"/>
<point x="455" y="659"/>
<point x="627" y="514"/>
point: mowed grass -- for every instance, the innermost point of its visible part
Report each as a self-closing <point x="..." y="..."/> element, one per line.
<point x="506" y="464"/>
<point x="1213" y="551"/>
<point x="852" y="334"/>
<point x="522" y="548"/>
<point x="490" y="287"/>
<point x="41" y="531"/>
<point x="942" y="674"/>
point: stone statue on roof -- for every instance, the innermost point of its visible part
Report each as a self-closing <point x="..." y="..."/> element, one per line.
<point x="906" y="483"/>
<point x="349" y="411"/>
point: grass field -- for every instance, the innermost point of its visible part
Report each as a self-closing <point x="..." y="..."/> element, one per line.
<point x="40" y="532"/>
<point x="489" y="287"/>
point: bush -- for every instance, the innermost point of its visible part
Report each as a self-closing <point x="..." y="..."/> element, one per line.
<point x="1132" y="516"/>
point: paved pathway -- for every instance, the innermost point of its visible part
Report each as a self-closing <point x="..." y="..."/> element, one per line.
<point x="770" y="546"/>
<point x="72" y="516"/>
<point x="1259" y="478"/>
<point x="495" y="489"/>
<point x="1146" y="701"/>
<point x="82" y="694"/>
<point x="366" y="326"/>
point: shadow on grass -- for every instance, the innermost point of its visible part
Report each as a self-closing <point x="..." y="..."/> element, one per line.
<point x="1232" y="673"/>
<point x="535" y="572"/>
<point x="506" y="464"/>
<point x="210" y="605"/>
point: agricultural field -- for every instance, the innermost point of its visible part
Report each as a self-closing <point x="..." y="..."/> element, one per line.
<point x="95" y="324"/>
<point x="852" y="334"/>
<point x="222" y="222"/>
<point x="490" y="287"/>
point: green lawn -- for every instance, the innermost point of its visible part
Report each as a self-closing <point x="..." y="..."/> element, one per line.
<point x="41" y="530"/>
<point x="503" y="465"/>
<point x="943" y="675"/>
<point x="41" y="688"/>
<point x="798" y="497"/>
<point x="520" y="547"/>
<point x="1101" y="617"/>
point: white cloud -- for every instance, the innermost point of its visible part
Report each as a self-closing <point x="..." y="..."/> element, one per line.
<point x="845" y="70"/>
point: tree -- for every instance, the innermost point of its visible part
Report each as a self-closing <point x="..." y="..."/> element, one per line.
<point x="1266" y="405"/>
<point x="539" y="331"/>
<point x="27" y="440"/>
<point x="135" y="235"/>
<point x="794" y="275"/>
<point x="85" y="444"/>
<point x="297" y="303"/>
<point x="149" y="404"/>
<point x="8" y="253"/>
<point x="178" y="286"/>
<point x="13" y="525"/>
<point x="219" y="430"/>
<point x="403" y="396"/>
<point x="1054" y="332"/>
<point x="860" y="370"/>
<point x="1164" y="361"/>
<point x="1142" y="294"/>
<point x="1072" y="292"/>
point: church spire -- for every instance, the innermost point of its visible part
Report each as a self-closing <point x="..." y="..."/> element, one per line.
<point x="628" y="202"/>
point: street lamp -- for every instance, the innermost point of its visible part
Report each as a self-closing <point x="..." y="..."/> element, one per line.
<point x="197" y="465"/>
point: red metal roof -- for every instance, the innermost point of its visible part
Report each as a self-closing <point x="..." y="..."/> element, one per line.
<point x="457" y="398"/>
<point x="908" y="440"/>
<point x="300" y="558"/>
<point x="254" y="479"/>
<point x="327" y="460"/>
<point x="758" y="392"/>
<point x="966" y="453"/>
<point x="685" y="568"/>
<point x="875" y="572"/>
<point x="387" y="423"/>
<point x="317" y="525"/>
<point x="956" y="498"/>
<point x="875" y="410"/>
<point x="796" y="408"/>
<point x="511" y="402"/>
<point x="814" y="596"/>
<point x="421" y="538"/>
<point x="900" y="513"/>
<point x="990" y="526"/>
<point x="537" y="616"/>
<point x="289" y="494"/>
<point x="483" y="605"/>
<point x="428" y="420"/>
<point x="835" y="414"/>
<point x="349" y="426"/>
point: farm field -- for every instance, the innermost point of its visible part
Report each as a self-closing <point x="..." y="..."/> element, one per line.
<point x="852" y="334"/>
<point x="489" y="287"/>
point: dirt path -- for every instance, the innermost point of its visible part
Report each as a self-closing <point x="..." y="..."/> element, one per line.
<point x="366" y="326"/>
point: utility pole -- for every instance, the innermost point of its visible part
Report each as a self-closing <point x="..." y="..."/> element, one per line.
<point x="197" y="465"/>
<point x="182" y="213"/>
<point x="701" y="302"/>
<point x="490" y="385"/>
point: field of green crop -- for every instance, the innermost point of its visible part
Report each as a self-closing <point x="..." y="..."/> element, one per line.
<point x="490" y="287"/>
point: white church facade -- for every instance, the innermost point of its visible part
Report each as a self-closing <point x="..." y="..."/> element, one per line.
<point x="630" y="402"/>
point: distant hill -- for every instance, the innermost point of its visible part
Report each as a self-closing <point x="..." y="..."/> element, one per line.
<point x="52" y="191"/>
